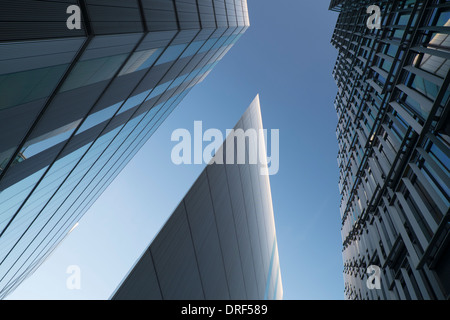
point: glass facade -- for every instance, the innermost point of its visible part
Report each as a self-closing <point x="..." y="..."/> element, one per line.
<point x="76" y="105"/>
<point x="393" y="133"/>
<point x="219" y="244"/>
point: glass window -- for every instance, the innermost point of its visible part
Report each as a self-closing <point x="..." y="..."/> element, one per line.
<point x="208" y="45"/>
<point x="35" y="202"/>
<point x="37" y="145"/>
<point x="404" y="18"/>
<point x="418" y="108"/>
<point x="12" y="197"/>
<point x="140" y="60"/>
<point x="22" y="87"/>
<point x="192" y="49"/>
<point x="134" y="101"/>
<point x="93" y="71"/>
<point x="425" y="87"/>
<point x="444" y="19"/>
<point x="99" y="117"/>
<point x="159" y="90"/>
<point x="172" y="53"/>
<point x="177" y="82"/>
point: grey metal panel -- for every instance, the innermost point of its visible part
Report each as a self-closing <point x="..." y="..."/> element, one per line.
<point x="388" y="224"/>
<point x="231" y="12"/>
<point x="266" y="240"/>
<point x="418" y="232"/>
<point x="187" y="14"/>
<point x="243" y="232"/>
<point x="409" y="285"/>
<point x="114" y="16"/>
<point x="386" y="245"/>
<point x="253" y="230"/>
<point x="19" y="20"/>
<point x="423" y="287"/>
<point x="175" y="260"/>
<point x="160" y="15"/>
<point x="206" y="12"/>
<point x="221" y="13"/>
<point x="227" y="232"/>
<point x="141" y="283"/>
<point x="421" y="205"/>
<point x="239" y="13"/>
<point x="402" y="231"/>
<point x="206" y="241"/>
<point x="429" y="188"/>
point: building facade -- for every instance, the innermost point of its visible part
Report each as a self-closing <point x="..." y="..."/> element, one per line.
<point x="219" y="244"/>
<point x="393" y="133"/>
<point x="77" y="104"/>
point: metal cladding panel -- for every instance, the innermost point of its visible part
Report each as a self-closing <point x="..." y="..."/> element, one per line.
<point x="114" y="16"/>
<point x="226" y="228"/>
<point x="188" y="14"/>
<point x="160" y="15"/>
<point x="242" y="231"/>
<point x="141" y="282"/>
<point x="33" y="19"/>
<point x="203" y="225"/>
<point x="175" y="259"/>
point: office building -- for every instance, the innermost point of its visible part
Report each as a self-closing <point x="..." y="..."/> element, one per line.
<point x="393" y="133"/>
<point x="220" y="242"/>
<point x="77" y="103"/>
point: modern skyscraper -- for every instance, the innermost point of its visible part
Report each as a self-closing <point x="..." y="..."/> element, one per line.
<point x="220" y="243"/>
<point x="393" y="133"/>
<point x="77" y="104"/>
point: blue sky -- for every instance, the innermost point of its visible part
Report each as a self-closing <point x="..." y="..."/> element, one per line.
<point x="287" y="58"/>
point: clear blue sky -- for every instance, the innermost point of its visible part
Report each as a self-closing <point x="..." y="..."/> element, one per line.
<point x="287" y="58"/>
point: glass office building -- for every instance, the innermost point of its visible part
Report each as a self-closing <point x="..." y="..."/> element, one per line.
<point x="393" y="133"/>
<point x="220" y="243"/>
<point x="77" y="104"/>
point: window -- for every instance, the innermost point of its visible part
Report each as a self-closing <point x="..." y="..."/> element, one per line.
<point x="172" y="53"/>
<point x="140" y="60"/>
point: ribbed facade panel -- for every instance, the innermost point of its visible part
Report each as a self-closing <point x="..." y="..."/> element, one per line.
<point x="393" y="133"/>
